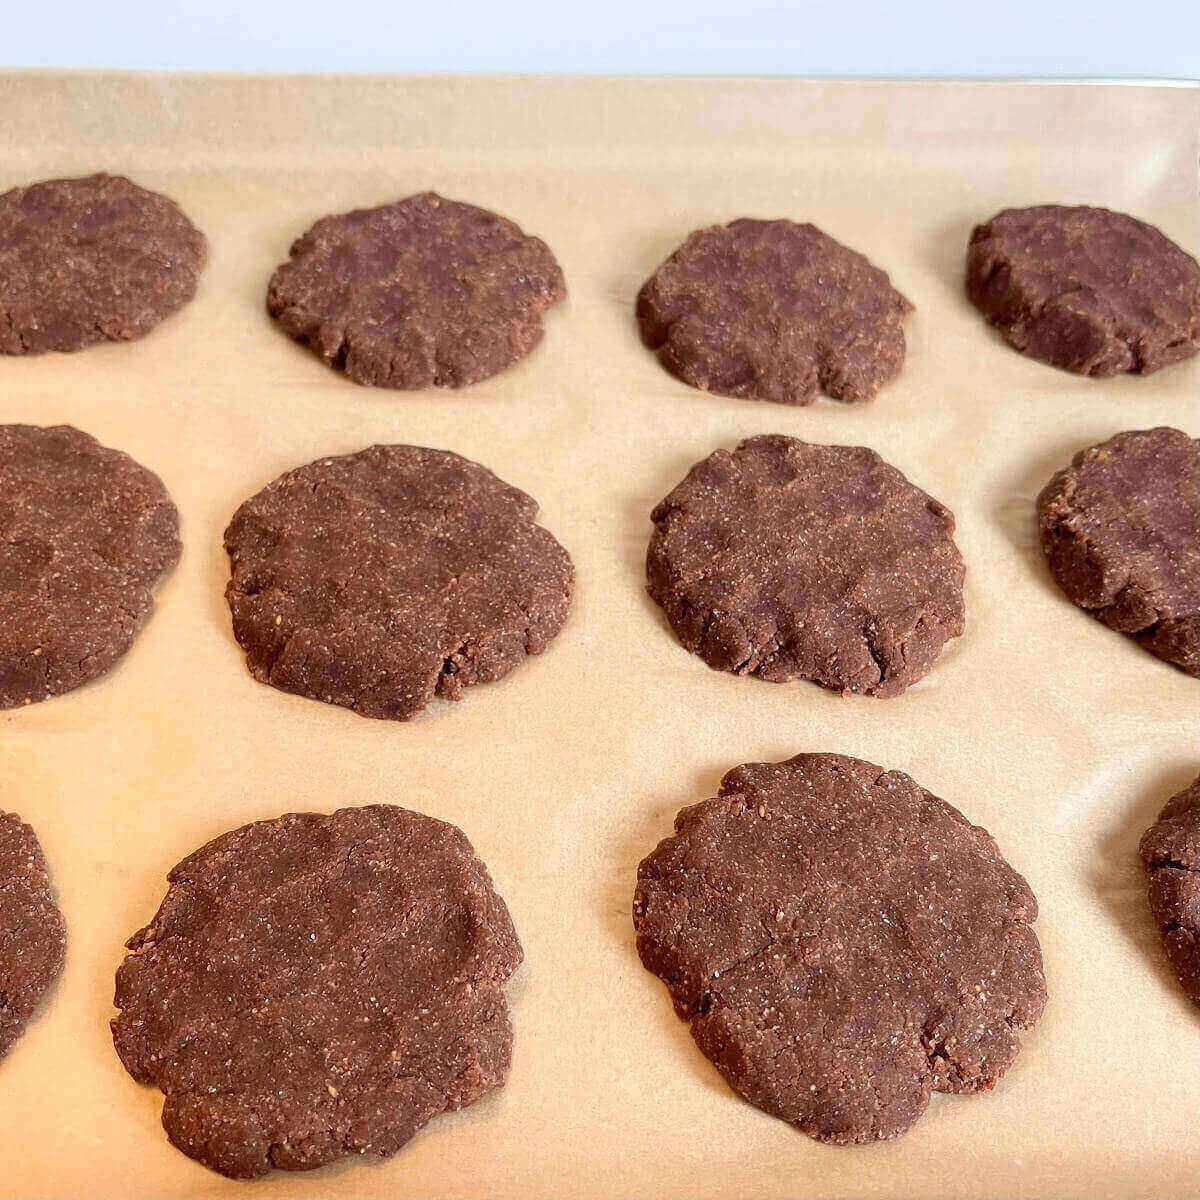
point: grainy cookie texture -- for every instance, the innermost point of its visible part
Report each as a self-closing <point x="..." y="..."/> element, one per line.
<point x="842" y="944"/>
<point x="773" y="310"/>
<point x="85" y="535"/>
<point x="426" y="292"/>
<point x="1121" y="529"/>
<point x="32" y="935"/>
<point x="91" y="260"/>
<point x="382" y="578"/>
<point x="1171" y="855"/>
<point x="786" y="560"/>
<point x="319" y="986"/>
<point x="1090" y="290"/>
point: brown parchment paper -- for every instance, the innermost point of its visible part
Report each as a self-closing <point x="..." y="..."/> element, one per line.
<point x="1059" y="736"/>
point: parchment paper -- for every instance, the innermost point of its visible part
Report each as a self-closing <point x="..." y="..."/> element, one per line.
<point x="1059" y="736"/>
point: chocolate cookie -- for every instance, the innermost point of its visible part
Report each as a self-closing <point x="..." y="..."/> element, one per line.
<point x="32" y="936"/>
<point x="1171" y="854"/>
<point x="842" y="944"/>
<point x="314" y="987"/>
<point x="85" y="535"/>
<point x="382" y="578"/>
<point x="772" y="310"/>
<point x="1086" y="289"/>
<point x="786" y="559"/>
<point x="91" y="260"/>
<point x="423" y="293"/>
<point x="1121" y="528"/>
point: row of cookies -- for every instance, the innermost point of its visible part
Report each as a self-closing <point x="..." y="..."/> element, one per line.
<point x="380" y="579"/>
<point x="311" y="556"/>
<point x="369" y="1052"/>
<point x="842" y="943"/>
<point x="429" y="292"/>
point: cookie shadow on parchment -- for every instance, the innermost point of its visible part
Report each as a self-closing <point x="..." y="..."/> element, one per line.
<point x="643" y="252"/>
<point x="216" y="578"/>
<point x="1119" y="881"/>
<point x="651" y="1003"/>
<point x="1016" y="515"/>
<point x="945" y="254"/>
<point x="670" y="467"/>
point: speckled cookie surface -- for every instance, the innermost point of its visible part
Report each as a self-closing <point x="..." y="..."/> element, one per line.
<point x="785" y="560"/>
<point x="773" y="310"/>
<point x="85" y="535"/>
<point x="427" y="292"/>
<point x="842" y="944"/>
<point x="319" y="986"/>
<point x="1121" y="529"/>
<point x="380" y="579"/>
<point x="32" y="935"/>
<point x="1087" y="289"/>
<point x="1170" y="852"/>
<point x="91" y="260"/>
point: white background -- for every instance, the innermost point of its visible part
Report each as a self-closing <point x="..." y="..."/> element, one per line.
<point x="1068" y="38"/>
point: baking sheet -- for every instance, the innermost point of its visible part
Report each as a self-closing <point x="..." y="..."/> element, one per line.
<point x="1058" y="735"/>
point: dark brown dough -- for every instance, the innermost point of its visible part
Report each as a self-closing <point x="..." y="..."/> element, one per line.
<point x="772" y="310"/>
<point x="426" y="292"/>
<point x="1086" y="289"/>
<point x="842" y="944"/>
<point x="32" y="935"/>
<point x="790" y="560"/>
<point x="85" y="536"/>
<point x="319" y="986"/>
<point x="91" y="260"/>
<point x="1171" y="855"/>
<point x="1121" y="528"/>
<point x="382" y="578"/>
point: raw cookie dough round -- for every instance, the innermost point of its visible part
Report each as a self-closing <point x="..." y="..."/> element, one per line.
<point x="91" y="260"/>
<point x="86" y="534"/>
<point x="1121" y="528"/>
<point x="1086" y="289"/>
<point x="1171" y="855"/>
<point x="32" y="936"/>
<point x="790" y="560"/>
<point x="426" y="292"/>
<point x="842" y="943"/>
<point x="772" y="310"/>
<point x="382" y="578"/>
<point x="318" y="986"/>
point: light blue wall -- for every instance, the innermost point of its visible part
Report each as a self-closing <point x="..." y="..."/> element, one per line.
<point x="1107" y="38"/>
